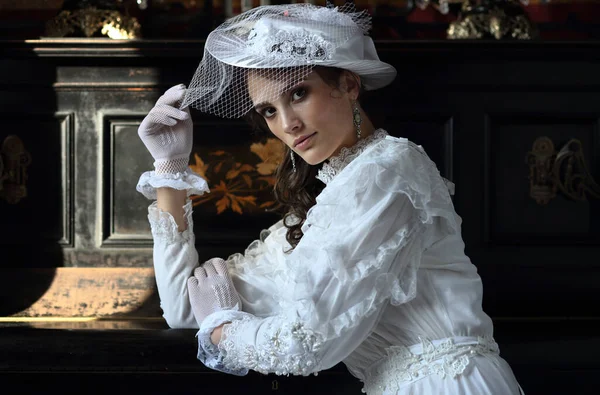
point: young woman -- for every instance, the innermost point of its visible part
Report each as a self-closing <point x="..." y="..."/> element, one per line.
<point x="367" y="267"/>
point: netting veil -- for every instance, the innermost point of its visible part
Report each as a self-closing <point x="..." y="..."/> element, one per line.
<point x="280" y="45"/>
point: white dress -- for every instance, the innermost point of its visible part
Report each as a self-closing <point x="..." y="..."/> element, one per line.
<point x="379" y="281"/>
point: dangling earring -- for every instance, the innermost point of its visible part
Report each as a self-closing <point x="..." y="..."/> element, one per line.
<point x="356" y="118"/>
<point x="293" y="160"/>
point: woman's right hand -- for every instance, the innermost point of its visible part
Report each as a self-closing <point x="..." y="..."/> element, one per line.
<point x="167" y="132"/>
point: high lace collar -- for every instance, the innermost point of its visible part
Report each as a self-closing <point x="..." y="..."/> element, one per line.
<point x="337" y="163"/>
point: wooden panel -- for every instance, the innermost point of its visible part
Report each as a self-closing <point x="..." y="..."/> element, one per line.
<point x="125" y="210"/>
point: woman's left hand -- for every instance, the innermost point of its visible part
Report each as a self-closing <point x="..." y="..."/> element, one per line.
<point x="211" y="289"/>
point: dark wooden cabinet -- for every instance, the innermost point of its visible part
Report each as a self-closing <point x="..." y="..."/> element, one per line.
<point x="78" y="244"/>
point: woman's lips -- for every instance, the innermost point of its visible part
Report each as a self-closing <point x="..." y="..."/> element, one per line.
<point x="303" y="143"/>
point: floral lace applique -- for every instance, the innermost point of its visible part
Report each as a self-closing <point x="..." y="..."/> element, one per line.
<point x="444" y="359"/>
<point x="286" y="348"/>
<point x="337" y="163"/>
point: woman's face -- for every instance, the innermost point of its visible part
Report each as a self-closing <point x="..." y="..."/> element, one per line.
<point x="313" y="118"/>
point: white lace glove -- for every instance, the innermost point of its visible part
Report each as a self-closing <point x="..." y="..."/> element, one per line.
<point x="167" y="132"/>
<point x="210" y="289"/>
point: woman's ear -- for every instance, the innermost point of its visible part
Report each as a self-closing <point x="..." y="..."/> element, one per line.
<point x="350" y="84"/>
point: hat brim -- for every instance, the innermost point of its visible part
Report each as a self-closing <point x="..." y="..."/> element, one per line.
<point x="374" y="74"/>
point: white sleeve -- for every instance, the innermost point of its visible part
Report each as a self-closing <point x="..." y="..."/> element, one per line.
<point x="174" y="252"/>
<point x="175" y="258"/>
<point x="361" y="249"/>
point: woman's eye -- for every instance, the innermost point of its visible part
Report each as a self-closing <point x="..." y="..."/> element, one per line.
<point x="268" y="112"/>
<point x="299" y="94"/>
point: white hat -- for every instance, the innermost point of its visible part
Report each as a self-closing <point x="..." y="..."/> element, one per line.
<point x="278" y="39"/>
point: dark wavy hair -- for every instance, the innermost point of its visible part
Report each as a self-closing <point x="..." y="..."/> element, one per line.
<point x="295" y="192"/>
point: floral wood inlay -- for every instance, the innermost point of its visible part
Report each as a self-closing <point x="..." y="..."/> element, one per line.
<point x="240" y="185"/>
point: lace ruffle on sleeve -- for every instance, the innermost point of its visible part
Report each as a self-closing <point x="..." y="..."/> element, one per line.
<point x="192" y="182"/>
<point x="361" y="249"/>
<point x="280" y="346"/>
<point x="208" y="353"/>
<point x="164" y="228"/>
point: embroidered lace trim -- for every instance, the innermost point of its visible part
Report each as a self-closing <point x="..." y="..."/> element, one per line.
<point x="287" y="45"/>
<point x="286" y="348"/>
<point x="444" y="359"/>
<point x="337" y="163"/>
<point x="164" y="227"/>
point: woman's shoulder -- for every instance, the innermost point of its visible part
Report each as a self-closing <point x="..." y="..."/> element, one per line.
<point x="409" y="160"/>
<point x="391" y="161"/>
<point x="397" y="154"/>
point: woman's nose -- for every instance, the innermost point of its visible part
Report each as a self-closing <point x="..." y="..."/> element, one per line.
<point x="291" y="121"/>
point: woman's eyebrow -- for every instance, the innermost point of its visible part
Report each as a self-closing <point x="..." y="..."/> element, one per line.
<point x="259" y="106"/>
